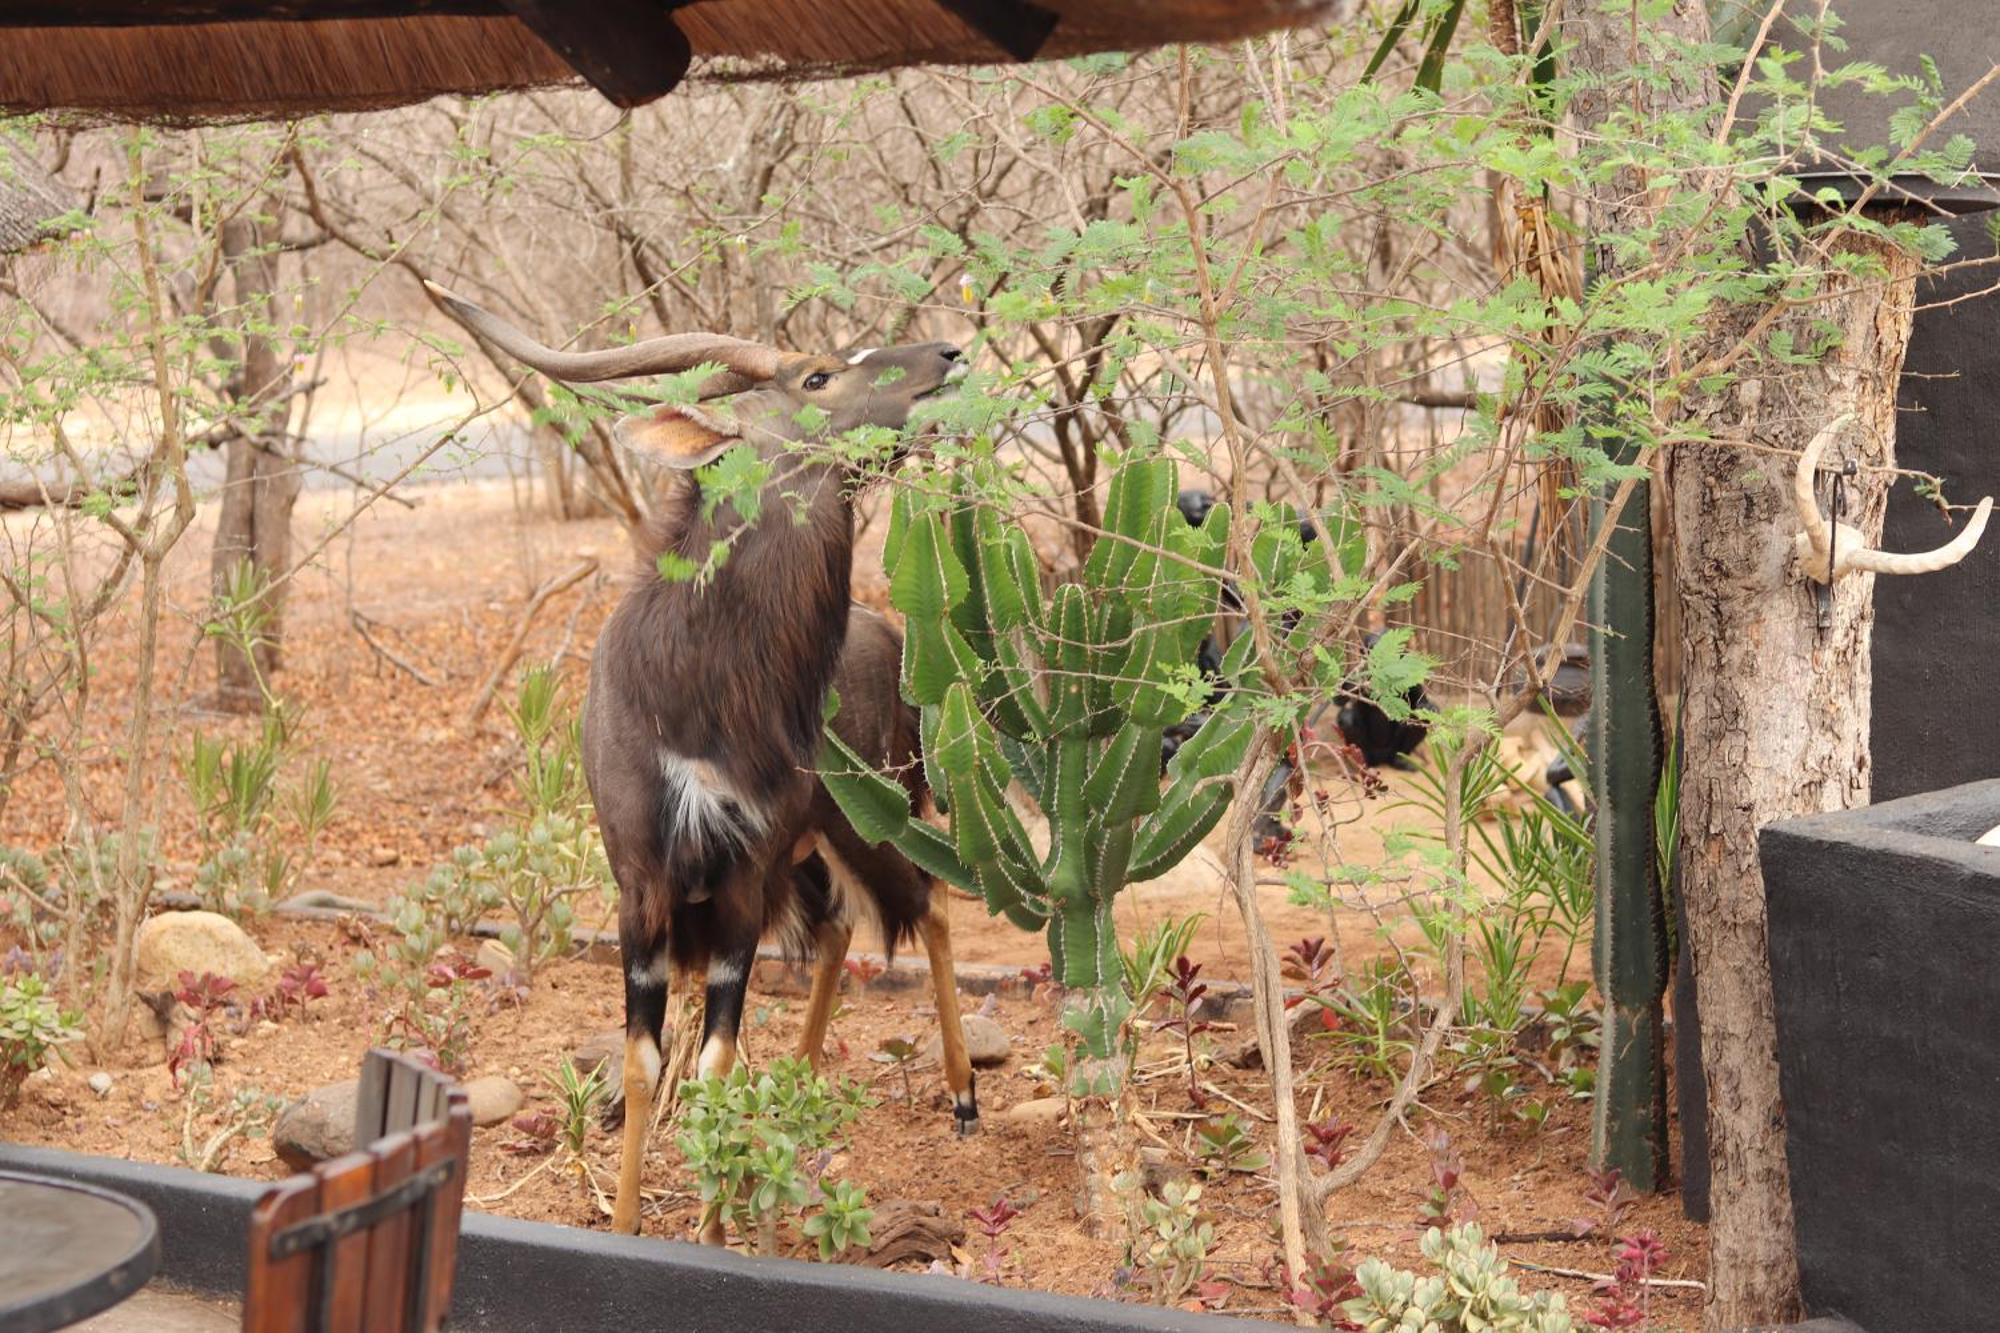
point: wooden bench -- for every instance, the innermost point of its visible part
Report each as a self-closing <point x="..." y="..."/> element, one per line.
<point x="366" y="1242"/>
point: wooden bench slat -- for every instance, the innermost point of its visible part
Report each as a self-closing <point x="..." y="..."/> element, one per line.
<point x="389" y="1240"/>
<point x="446" y="1140"/>
<point x="405" y="1086"/>
<point x="371" y="1102"/>
<point x="277" y="1293"/>
<point x="344" y="1181"/>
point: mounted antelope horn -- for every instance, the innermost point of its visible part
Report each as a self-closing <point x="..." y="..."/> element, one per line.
<point x="1822" y="544"/>
<point x="750" y="362"/>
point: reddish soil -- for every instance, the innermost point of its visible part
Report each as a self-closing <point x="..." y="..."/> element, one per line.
<point x="443" y="585"/>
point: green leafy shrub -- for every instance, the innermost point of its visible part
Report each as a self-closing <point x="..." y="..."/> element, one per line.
<point x="32" y="1028"/>
<point x="1469" y="1292"/>
<point x="758" y="1144"/>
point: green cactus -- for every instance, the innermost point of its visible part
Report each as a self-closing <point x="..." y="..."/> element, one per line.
<point x="1629" y="1120"/>
<point x="1069" y="696"/>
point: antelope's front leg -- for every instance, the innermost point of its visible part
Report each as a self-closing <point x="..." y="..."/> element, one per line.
<point x="645" y="1014"/>
<point x="728" y="980"/>
<point x="958" y="1076"/>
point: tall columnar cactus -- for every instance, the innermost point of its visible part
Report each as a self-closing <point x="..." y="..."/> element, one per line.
<point x="1629" y="1124"/>
<point x="1068" y="695"/>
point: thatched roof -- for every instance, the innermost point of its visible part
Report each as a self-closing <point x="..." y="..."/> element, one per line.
<point x="30" y="200"/>
<point x="182" y="60"/>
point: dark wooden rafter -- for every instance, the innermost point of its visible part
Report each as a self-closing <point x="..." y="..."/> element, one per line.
<point x="1017" y="27"/>
<point x="629" y="50"/>
<point x="148" y="13"/>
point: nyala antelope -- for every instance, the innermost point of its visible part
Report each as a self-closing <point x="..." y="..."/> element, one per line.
<point x="702" y="726"/>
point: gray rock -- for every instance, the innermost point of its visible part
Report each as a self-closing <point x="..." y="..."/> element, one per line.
<point x="318" y="1125"/>
<point x="176" y="942"/>
<point x="495" y="957"/>
<point x="986" y="1042"/>
<point x="100" y="1083"/>
<point x="493" y="1099"/>
<point x="606" y="1048"/>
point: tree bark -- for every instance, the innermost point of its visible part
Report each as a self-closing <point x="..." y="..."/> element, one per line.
<point x="262" y="482"/>
<point x="1776" y="725"/>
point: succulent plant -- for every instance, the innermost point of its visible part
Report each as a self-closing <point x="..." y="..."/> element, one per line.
<point x="1068" y="695"/>
<point x="1469" y="1292"/>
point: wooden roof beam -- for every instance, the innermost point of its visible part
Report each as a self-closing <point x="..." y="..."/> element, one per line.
<point x="629" y="50"/>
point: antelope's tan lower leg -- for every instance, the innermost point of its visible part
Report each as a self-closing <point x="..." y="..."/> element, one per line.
<point x="936" y="930"/>
<point x="642" y="1076"/>
<point x="834" y="937"/>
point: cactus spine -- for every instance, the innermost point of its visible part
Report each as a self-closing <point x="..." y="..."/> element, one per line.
<point x="1067" y="695"/>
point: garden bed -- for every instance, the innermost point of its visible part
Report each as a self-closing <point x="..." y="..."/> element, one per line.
<point x="416" y="782"/>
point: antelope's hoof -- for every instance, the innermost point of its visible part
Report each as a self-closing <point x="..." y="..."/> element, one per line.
<point x="965" y="1115"/>
<point x="623" y="1225"/>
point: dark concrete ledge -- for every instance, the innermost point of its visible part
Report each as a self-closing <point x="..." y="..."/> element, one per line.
<point x="532" y="1277"/>
<point x="1884" y="931"/>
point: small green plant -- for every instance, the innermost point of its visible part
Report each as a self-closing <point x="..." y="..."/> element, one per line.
<point x="578" y="1095"/>
<point x="248" y="1114"/>
<point x="1374" y="1020"/>
<point x="430" y="1002"/>
<point x="1469" y="1292"/>
<point x="898" y="1051"/>
<point x="235" y="792"/>
<point x="842" y="1220"/>
<point x="1224" y="1145"/>
<point x="1574" y="1031"/>
<point x="33" y="1027"/>
<point x="757" y="1144"/>
<point x="1172" y="1239"/>
<point x="1149" y="965"/>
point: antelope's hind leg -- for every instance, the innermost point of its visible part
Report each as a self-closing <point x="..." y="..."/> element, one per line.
<point x="646" y="970"/>
<point x="832" y="940"/>
<point x="958" y="1076"/>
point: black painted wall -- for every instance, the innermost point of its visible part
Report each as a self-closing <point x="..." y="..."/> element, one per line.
<point x="1936" y="723"/>
<point x="1936" y="711"/>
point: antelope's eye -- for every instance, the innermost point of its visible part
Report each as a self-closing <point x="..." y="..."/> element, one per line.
<point x="817" y="380"/>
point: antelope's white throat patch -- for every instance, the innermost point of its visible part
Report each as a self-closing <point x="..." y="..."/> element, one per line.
<point x="702" y="809"/>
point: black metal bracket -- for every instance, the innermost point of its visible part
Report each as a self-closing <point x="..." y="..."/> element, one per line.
<point x="1837" y="505"/>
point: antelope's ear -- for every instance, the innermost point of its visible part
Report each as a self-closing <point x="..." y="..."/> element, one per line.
<point x="682" y="438"/>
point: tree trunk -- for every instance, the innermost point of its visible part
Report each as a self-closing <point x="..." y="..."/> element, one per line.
<point x="1776" y="725"/>
<point x="262" y="482"/>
